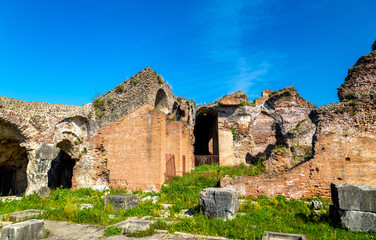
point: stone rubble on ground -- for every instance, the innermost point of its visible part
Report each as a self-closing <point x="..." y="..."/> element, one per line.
<point x="219" y="203"/>
<point x="124" y="201"/>
<point x="30" y="230"/>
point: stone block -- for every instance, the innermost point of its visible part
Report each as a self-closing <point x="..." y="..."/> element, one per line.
<point x="21" y="215"/>
<point x="219" y="202"/>
<point x="133" y="225"/>
<point x="315" y="205"/>
<point x="121" y="201"/>
<point x="32" y="229"/>
<point x="354" y="197"/>
<point x="100" y="188"/>
<point x="358" y="221"/>
<point x="283" y="236"/>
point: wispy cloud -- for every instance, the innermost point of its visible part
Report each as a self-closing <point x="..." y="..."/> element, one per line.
<point x="228" y="27"/>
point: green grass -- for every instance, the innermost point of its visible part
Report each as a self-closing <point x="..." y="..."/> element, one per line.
<point x="240" y="170"/>
<point x="260" y="214"/>
<point x="112" y="231"/>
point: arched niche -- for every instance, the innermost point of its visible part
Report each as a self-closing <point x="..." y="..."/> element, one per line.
<point x="13" y="160"/>
<point x="61" y="171"/>
<point x="161" y="101"/>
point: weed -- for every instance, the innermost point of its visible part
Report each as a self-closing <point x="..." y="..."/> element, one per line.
<point x="262" y="158"/>
<point x="350" y="96"/>
<point x="83" y="128"/>
<point x="297" y="127"/>
<point x="233" y="131"/>
<point x="1" y="106"/>
<point x="134" y="81"/>
<point x="119" y="89"/>
<point x="112" y="231"/>
<point x="76" y="142"/>
<point x="352" y="103"/>
<point x="160" y="79"/>
<point x="140" y="234"/>
<point x="46" y="233"/>
<point x="84" y="151"/>
<point x="242" y="103"/>
<point x="280" y="148"/>
<point x="179" y="99"/>
<point x="99" y="103"/>
<point x="96" y="95"/>
<point x="99" y="113"/>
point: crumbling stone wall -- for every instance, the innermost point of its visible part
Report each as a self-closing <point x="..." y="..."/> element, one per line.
<point x="140" y="89"/>
<point x="45" y="129"/>
<point x="343" y="149"/>
<point x="249" y="132"/>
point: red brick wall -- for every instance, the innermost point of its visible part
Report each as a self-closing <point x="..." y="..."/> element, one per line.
<point x="173" y="143"/>
<point x="338" y="159"/>
<point x="131" y="152"/>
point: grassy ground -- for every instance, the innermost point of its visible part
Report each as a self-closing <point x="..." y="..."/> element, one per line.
<point x="256" y="214"/>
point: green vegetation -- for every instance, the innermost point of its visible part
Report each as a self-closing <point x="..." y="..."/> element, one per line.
<point x="240" y="170"/>
<point x="350" y="96"/>
<point x="233" y="131"/>
<point x="134" y="81"/>
<point x="244" y="103"/>
<point x="259" y="214"/>
<point x="280" y="148"/>
<point x="297" y="127"/>
<point x="112" y="231"/>
<point x="99" y="113"/>
<point x="160" y="79"/>
<point x="179" y="98"/>
<point x="140" y="234"/>
<point x="119" y="89"/>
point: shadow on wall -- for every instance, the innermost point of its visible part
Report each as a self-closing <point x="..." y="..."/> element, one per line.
<point x="206" y="136"/>
<point x="13" y="161"/>
<point x="61" y="171"/>
<point x="161" y="101"/>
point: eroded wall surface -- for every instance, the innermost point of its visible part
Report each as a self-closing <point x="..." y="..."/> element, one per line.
<point x="344" y="144"/>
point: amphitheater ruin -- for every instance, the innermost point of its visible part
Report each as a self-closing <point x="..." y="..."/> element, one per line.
<point x="140" y="134"/>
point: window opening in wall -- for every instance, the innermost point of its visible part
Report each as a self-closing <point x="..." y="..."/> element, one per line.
<point x="206" y="139"/>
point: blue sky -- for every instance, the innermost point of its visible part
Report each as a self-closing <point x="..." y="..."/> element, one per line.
<point x="64" y="51"/>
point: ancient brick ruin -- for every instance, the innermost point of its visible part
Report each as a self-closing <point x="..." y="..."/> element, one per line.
<point x="139" y="134"/>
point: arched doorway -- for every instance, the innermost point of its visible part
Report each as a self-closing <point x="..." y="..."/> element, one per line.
<point x="161" y="101"/>
<point x="13" y="160"/>
<point x="61" y="171"/>
<point x="206" y="138"/>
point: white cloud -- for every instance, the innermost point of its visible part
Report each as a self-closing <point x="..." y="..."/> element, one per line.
<point x="224" y="41"/>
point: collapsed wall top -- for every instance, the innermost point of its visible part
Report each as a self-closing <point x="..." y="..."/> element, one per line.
<point x="145" y="87"/>
<point x="361" y="77"/>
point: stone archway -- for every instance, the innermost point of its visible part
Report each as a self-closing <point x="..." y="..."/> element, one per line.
<point x="60" y="173"/>
<point x="161" y="101"/>
<point x="13" y="153"/>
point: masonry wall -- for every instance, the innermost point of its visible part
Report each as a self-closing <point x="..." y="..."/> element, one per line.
<point x="344" y="153"/>
<point x="134" y="148"/>
<point x="131" y="152"/>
